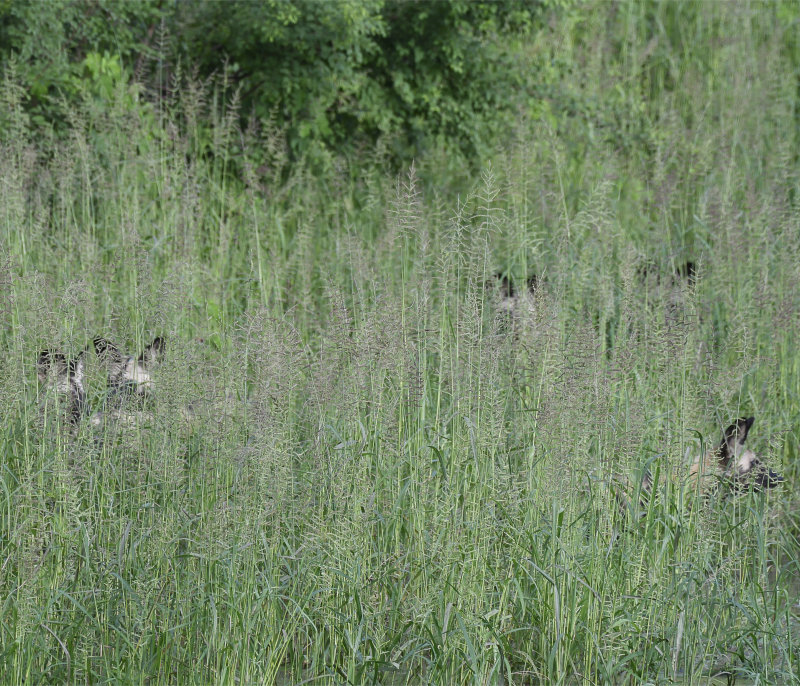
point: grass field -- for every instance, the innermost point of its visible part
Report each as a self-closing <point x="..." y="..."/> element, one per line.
<point x="355" y="468"/>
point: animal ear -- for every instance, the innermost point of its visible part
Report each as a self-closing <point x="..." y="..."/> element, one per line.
<point x="77" y="369"/>
<point x="43" y="363"/>
<point x="77" y="374"/>
<point x="687" y="271"/>
<point x="154" y="351"/>
<point x="533" y="283"/>
<point x="506" y="287"/>
<point x="735" y="434"/>
<point x="646" y="270"/>
<point x="106" y="350"/>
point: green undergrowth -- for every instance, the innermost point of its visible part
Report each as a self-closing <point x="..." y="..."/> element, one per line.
<point x="355" y="466"/>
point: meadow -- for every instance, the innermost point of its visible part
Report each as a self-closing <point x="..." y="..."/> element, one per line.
<point x="355" y="467"/>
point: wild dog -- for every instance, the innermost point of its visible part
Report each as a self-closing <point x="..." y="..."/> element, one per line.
<point x="128" y="374"/>
<point x="130" y="382"/>
<point x="513" y="303"/>
<point x="687" y="271"/>
<point x="669" y="291"/>
<point x="64" y="377"/>
<point x="730" y="463"/>
<point x="684" y="273"/>
<point x="670" y="304"/>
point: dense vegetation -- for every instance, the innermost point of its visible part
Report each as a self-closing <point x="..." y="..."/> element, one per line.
<point x="354" y="466"/>
<point x="340" y="76"/>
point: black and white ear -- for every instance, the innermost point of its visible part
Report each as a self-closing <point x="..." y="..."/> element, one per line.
<point x="43" y="364"/>
<point x="106" y="350"/>
<point x="506" y="287"/>
<point x="77" y="376"/>
<point x="155" y="351"/>
<point x="77" y="370"/>
<point x="735" y="436"/>
<point x="687" y="271"/>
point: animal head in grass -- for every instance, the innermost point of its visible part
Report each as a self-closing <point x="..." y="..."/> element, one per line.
<point x="128" y="373"/>
<point x="740" y="465"/>
<point x="730" y="463"/>
<point x="65" y="378"/>
<point x="687" y="272"/>
<point x="512" y="299"/>
<point x="682" y="274"/>
<point x="670" y="292"/>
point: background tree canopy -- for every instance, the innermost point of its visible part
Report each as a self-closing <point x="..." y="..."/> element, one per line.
<point x="332" y="76"/>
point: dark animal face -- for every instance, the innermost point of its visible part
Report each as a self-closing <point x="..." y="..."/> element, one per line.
<point x="511" y="299"/>
<point x="669" y="290"/>
<point x="127" y="373"/>
<point x="64" y="377"/>
<point x="684" y="273"/>
<point x="742" y="465"/>
<point x="730" y="462"/>
<point x="687" y="272"/>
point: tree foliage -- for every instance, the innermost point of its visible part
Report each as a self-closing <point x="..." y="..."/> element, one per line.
<point x="333" y="76"/>
<point x="48" y="44"/>
<point x="359" y="70"/>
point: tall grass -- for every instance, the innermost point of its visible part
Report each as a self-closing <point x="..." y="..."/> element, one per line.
<point x="358" y="469"/>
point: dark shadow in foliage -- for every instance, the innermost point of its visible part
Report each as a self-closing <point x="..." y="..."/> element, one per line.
<point x="348" y="73"/>
<point x="685" y="272"/>
<point x="52" y="40"/>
